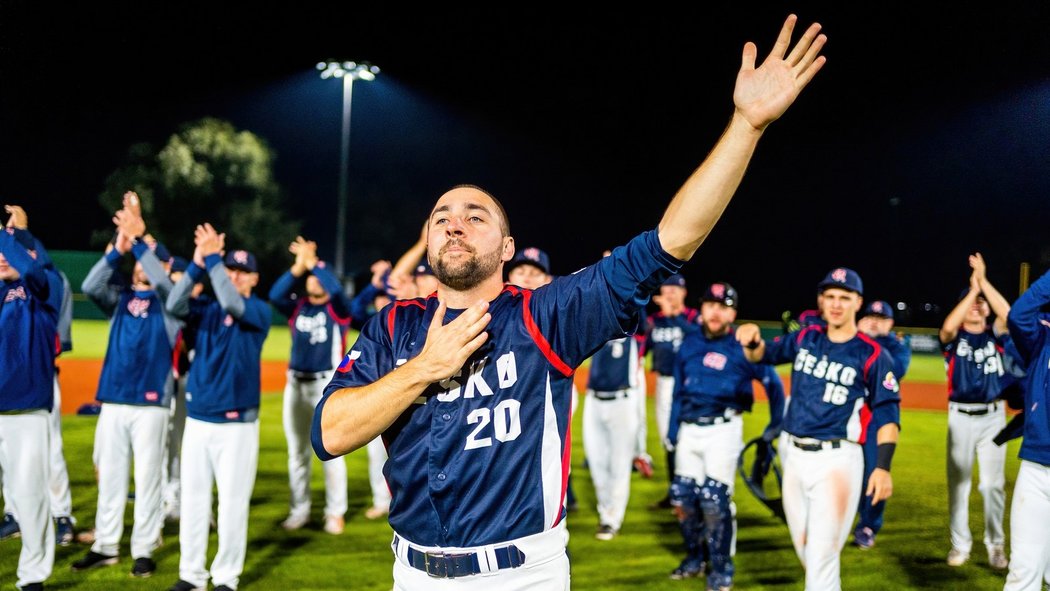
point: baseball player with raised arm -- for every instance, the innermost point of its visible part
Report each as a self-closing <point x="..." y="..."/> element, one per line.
<point x="974" y="362"/>
<point x="220" y="446"/>
<point x="135" y="390"/>
<point x="319" y="316"/>
<point x="663" y="336"/>
<point x="30" y="300"/>
<point x="1030" y="510"/>
<point x="876" y="321"/>
<point x="713" y="388"/>
<point x="840" y="380"/>
<point x="470" y="387"/>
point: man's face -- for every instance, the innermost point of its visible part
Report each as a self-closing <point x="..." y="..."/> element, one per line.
<point x="840" y="306"/>
<point x="315" y="291"/>
<point x="875" y="326"/>
<point x="7" y="272"/>
<point x="979" y="311"/>
<point x="528" y="276"/>
<point x="672" y="296"/>
<point x="243" y="280"/>
<point x="139" y="277"/>
<point x="465" y="240"/>
<point x="716" y="317"/>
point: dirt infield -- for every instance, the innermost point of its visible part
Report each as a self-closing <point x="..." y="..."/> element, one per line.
<point x="79" y="378"/>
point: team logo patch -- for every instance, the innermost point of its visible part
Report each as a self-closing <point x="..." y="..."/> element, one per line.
<point x="152" y="396"/>
<point x="877" y="307"/>
<point x="18" y="293"/>
<point x="138" y="307"/>
<point x="531" y="253"/>
<point x="715" y="360"/>
<point x="228" y="321"/>
<point x="240" y="256"/>
<point x="348" y="361"/>
<point x="718" y="290"/>
<point x="839" y="275"/>
<point x="232" y="415"/>
<point x="890" y="382"/>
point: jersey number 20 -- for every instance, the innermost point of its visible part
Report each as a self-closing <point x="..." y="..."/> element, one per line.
<point x="506" y="424"/>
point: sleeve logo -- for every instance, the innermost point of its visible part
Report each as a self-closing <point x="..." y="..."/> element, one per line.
<point x="890" y="382"/>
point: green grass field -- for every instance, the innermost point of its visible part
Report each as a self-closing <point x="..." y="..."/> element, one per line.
<point x="909" y="554"/>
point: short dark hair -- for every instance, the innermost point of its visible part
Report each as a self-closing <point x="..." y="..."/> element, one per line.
<point x="504" y="223"/>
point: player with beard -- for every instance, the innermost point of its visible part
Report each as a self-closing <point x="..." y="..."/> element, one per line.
<point x="713" y="388"/>
<point x="470" y="387"/>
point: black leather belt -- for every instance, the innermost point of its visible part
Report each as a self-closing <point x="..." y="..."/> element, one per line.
<point x="978" y="412"/>
<point x="708" y="421"/>
<point x="612" y="395"/>
<point x="445" y="565"/>
<point x="305" y="376"/>
<point x="816" y="445"/>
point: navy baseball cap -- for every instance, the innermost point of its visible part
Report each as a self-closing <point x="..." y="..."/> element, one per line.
<point x="179" y="265"/>
<point x="531" y="256"/>
<point x="423" y="268"/>
<point x="721" y="292"/>
<point x="241" y="260"/>
<point x="675" y="280"/>
<point x="842" y="278"/>
<point x="161" y="251"/>
<point x="877" y="308"/>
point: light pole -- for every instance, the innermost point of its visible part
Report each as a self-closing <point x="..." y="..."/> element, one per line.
<point x="348" y="71"/>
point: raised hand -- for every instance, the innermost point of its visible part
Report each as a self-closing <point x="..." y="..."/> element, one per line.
<point x="18" y="218"/>
<point x="763" y="94"/>
<point x="980" y="270"/>
<point x="132" y="203"/>
<point x="128" y="223"/>
<point x="208" y="241"/>
<point x="749" y="335"/>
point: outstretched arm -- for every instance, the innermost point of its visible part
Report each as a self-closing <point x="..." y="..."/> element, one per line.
<point x="761" y="96"/>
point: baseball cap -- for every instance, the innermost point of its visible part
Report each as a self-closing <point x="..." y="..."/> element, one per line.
<point x="242" y="260"/>
<point x="423" y="268"/>
<point x="722" y="293"/>
<point x="675" y="280"/>
<point x="842" y="278"/>
<point x="179" y="265"/>
<point x="531" y="256"/>
<point x="161" y="251"/>
<point x="877" y="308"/>
<point x="966" y="291"/>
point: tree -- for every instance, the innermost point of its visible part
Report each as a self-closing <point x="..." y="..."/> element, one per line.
<point x="208" y="172"/>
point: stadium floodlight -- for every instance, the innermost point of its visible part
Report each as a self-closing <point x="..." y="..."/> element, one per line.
<point x="348" y="71"/>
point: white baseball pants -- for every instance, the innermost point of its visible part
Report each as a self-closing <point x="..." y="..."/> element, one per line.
<point x="609" y="442"/>
<point x="300" y="400"/>
<point x="969" y="436"/>
<point x="664" y="396"/>
<point x="380" y="489"/>
<point x="1029" y="523"/>
<point x="23" y="458"/>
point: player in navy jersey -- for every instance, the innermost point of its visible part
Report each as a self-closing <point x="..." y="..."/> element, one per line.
<point x="841" y="379"/>
<point x="876" y="321"/>
<point x="974" y="362"/>
<point x="476" y="414"/>
<point x="221" y="442"/>
<point x="30" y="300"/>
<point x="663" y="335"/>
<point x="713" y="387"/>
<point x="319" y="316"/>
<point x="1030" y="511"/>
<point x="135" y="390"/>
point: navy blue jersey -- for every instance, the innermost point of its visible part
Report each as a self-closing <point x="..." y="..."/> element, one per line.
<point x="974" y="363"/>
<point x="900" y="352"/>
<point x="138" y="365"/>
<point x="318" y="330"/>
<point x="712" y="376"/>
<point x="483" y="457"/>
<point x="836" y="388"/>
<point x="224" y="383"/>
<point x="29" y="308"/>
<point x="615" y="366"/>
<point x="664" y="335"/>
<point x="1030" y="331"/>
<point x="362" y="307"/>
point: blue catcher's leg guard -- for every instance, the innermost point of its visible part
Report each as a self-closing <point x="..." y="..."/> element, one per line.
<point x="685" y="497"/>
<point x="718" y="527"/>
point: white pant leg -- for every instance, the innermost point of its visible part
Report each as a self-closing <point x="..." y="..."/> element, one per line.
<point x="376" y="459"/>
<point x="58" y="482"/>
<point x="23" y="458"/>
<point x="1029" y="523"/>
<point x="962" y="442"/>
<point x="991" y="471"/>
<point x="297" y="415"/>
<point x="236" y="457"/>
<point x="149" y="434"/>
<point x="113" y="464"/>
<point x="608" y="442"/>
<point x="197" y="478"/>
<point x="642" y="446"/>
<point x="664" y="393"/>
<point x="335" y="479"/>
<point x="710" y="451"/>
<point x="176" y="426"/>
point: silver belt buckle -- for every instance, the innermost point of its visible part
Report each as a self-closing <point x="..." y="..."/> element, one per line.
<point x="441" y="572"/>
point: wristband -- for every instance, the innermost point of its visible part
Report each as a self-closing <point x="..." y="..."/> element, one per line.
<point x="885" y="455"/>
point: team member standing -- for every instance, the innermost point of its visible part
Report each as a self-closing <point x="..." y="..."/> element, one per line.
<point x="476" y="415"/>
<point x="135" y="390"/>
<point x="876" y="321"/>
<point x="664" y="333"/>
<point x="839" y="375"/>
<point x="713" y="387"/>
<point x="30" y="300"/>
<point x="1030" y="511"/>
<point x="220" y="445"/>
<point x="319" y="317"/>
<point x="973" y="359"/>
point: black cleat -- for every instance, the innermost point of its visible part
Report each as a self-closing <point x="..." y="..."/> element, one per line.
<point x="182" y="585"/>
<point x="93" y="560"/>
<point x="143" y="567"/>
<point x="63" y="531"/>
<point x="9" y="527"/>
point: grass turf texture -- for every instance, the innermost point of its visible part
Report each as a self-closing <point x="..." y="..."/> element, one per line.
<point x="909" y="553"/>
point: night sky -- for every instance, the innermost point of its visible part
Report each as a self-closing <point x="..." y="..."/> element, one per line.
<point x="924" y="138"/>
